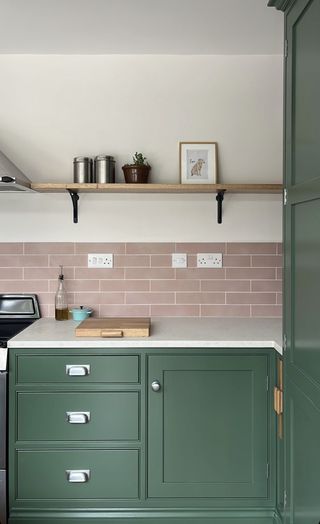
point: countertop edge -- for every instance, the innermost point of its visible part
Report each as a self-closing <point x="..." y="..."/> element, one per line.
<point x="132" y="343"/>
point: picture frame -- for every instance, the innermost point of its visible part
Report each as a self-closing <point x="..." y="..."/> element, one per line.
<point x="198" y="162"/>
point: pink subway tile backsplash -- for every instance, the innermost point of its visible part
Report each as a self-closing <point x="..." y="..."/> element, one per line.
<point x="150" y="298"/>
<point x="266" y="261"/>
<point x="117" y="248"/>
<point x="200" y="247"/>
<point x="11" y="248"/>
<point x="225" y="285"/>
<point x="266" y="311"/>
<point x="251" y="273"/>
<point x="252" y="248"/>
<point x="47" y="273"/>
<point x="175" y="311"/>
<point x="201" y="298"/>
<point x="225" y="311"/>
<point x="131" y="261"/>
<point x="124" y="285"/>
<point x="237" y="261"/>
<point x="23" y="261"/>
<point x="251" y="298"/>
<point x="124" y="311"/>
<point x="201" y="273"/>
<point x="175" y="285"/>
<point x="100" y="274"/>
<point x="150" y="274"/>
<point x="161" y="260"/>
<point x="23" y="286"/>
<point x="148" y="248"/>
<point x="11" y="273"/>
<point x="143" y="282"/>
<point x="48" y="248"/>
<point x="266" y="285"/>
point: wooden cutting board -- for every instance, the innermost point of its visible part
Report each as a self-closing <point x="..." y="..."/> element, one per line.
<point x="114" y="327"/>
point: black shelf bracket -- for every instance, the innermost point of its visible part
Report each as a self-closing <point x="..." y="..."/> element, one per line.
<point x="219" y="199"/>
<point x="75" y="198"/>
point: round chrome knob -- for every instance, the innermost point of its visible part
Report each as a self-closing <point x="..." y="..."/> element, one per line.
<point x="155" y="386"/>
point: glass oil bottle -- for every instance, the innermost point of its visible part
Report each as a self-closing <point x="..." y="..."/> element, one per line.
<point x="61" y="301"/>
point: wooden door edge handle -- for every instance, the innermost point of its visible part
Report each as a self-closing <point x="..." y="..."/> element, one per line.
<point x="111" y="333"/>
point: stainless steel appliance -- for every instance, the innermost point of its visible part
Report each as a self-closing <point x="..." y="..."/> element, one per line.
<point x="11" y="178"/>
<point x="16" y="313"/>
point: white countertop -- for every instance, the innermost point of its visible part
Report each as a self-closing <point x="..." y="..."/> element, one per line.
<point x="165" y="333"/>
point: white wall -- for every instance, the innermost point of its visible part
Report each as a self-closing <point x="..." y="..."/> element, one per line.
<point x="53" y="108"/>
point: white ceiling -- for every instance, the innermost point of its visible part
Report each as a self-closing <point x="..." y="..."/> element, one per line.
<point x="140" y="27"/>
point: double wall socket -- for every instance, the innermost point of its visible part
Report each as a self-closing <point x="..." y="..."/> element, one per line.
<point x="209" y="260"/>
<point x="99" y="260"/>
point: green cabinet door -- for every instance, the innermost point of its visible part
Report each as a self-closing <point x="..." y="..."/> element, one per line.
<point x="207" y="426"/>
<point x="301" y="505"/>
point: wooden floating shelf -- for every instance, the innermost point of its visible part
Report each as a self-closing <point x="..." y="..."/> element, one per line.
<point x="157" y="188"/>
<point x="218" y="189"/>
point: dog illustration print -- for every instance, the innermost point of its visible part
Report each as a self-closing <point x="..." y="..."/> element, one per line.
<point x="196" y="170"/>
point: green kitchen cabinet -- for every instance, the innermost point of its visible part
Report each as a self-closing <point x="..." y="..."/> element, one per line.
<point x="299" y="502"/>
<point x="208" y="427"/>
<point x="155" y="436"/>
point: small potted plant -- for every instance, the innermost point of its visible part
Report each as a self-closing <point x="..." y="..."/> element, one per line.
<point x="138" y="171"/>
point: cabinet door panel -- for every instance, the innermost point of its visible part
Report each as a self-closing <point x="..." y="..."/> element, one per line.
<point x="208" y="427"/>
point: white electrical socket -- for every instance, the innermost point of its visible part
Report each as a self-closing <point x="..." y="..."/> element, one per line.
<point x="209" y="260"/>
<point x="179" y="260"/>
<point x="100" y="260"/>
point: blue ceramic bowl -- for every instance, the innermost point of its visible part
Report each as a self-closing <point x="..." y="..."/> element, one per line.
<point x="80" y="314"/>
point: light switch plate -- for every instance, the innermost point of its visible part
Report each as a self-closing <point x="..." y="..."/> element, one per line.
<point x="179" y="260"/>
<point x="100" y="260"/>
<point x="209" y="260"/>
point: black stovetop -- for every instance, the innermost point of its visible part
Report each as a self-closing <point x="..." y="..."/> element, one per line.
<point x="17" y="312"/>
<point x="10" y="329"/>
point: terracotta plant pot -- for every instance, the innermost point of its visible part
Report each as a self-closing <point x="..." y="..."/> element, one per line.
<point x="134" y="174"/>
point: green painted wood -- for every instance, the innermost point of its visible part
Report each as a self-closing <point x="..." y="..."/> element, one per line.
<point x="304" y="457"/>
<point x="282" y="5"/>
<point x="42" y="475"/>
<point x="139" y="520"/>
<point x="43" y="416"/>
<point x="208" y="427"/>
<point x="52" y="368"/>
<point x="302" y="269"/>
<point x="142" y="509"/>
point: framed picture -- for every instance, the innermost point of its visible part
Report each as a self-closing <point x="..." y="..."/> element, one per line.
<point x="198" y="162"/>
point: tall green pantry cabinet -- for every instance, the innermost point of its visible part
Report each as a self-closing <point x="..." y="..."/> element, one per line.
<point x="115" y="436"/>
<point x="301" y="495"/>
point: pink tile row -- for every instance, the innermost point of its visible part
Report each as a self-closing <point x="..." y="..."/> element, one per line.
<point x="142" y="262"/>
<point x="143" y="248"/>
<point x="143" y="282"/>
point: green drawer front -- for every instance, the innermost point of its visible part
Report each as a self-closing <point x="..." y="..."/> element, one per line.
<point x="53" y="369"/>
<point x="104" y="416"/>
<point x="114" y="474"/>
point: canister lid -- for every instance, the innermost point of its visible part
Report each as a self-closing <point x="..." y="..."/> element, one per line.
<point x="82" y="159"/>
<point x="103" y="157"/>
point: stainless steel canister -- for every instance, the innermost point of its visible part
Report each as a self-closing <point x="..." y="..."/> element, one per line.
<point x="104" y="169"/>
<point x="82" y="170"/>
